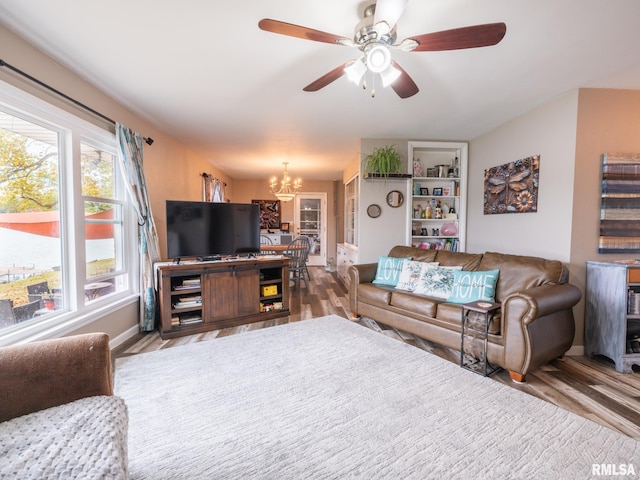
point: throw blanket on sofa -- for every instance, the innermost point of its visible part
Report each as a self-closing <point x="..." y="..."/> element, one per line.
<point x="85" y="439"/>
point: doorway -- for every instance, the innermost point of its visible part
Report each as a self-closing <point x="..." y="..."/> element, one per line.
<point x="311" y="221"/>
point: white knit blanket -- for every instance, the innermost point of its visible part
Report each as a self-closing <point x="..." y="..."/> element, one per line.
<point x="85" y="439"/>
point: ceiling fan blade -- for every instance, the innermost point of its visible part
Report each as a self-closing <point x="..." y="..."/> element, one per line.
<point x="459" y="38"/>
<point x="389" y="11"/>
<point x="283" y="28"/>
<point x="404" y="85"/>
<point x="326" y="79"/>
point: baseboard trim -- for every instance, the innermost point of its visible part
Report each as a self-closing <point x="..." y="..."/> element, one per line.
<point x="123" y="337"/>
<point x="576" y="351"/>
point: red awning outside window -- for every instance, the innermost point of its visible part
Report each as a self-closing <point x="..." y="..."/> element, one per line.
<point x="48" y="224"/>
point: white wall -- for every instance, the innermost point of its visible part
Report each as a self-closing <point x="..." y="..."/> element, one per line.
<point x="378" y="235"/>
<point x="551" y="132"/>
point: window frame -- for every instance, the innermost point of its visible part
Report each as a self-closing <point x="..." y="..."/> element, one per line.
<point x="73" y="131"/>
<point x="120" y="199"/>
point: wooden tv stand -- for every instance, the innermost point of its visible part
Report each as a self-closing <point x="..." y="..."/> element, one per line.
<point x="196" y="297"/>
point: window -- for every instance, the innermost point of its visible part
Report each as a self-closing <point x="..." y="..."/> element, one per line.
<point x="67" y="239"/>
<point x="103" y="223"/>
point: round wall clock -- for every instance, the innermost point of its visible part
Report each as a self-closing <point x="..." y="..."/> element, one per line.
<point x="374" y="210"/>
<point x="395" y="198"/>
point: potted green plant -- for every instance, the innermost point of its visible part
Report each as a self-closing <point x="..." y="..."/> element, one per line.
<point x="383" y="162"/>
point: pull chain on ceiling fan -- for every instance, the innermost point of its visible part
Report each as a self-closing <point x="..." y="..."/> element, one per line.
<point x="375" y="35"/>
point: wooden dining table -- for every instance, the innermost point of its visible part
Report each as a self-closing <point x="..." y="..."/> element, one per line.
<point x="276" y="248"/>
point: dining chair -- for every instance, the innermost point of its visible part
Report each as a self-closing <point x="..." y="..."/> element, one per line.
<point x="7" y="317"/>
<point x="38" y="288"/>
<point x="312" y="246"/>
<point x="36" y="291"/>
<point x="297" y="251"/>
<point x="26" y="312"/>
<point x="265" y="240"/>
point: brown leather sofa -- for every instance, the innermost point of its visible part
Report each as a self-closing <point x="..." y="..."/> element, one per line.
<point x="533" y="326"/>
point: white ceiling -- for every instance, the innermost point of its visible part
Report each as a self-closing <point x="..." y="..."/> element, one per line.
<point x="203" y="70"/>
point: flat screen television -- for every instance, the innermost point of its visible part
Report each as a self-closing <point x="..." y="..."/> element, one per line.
<point x="207" y="230"/>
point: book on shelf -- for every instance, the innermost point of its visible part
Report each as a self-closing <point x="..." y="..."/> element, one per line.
<point x="191" y="299"/>
<point x="186" y="302"/>
<point x="451" y="244"/>
<point x="188" y="283"/>
<point x="187" y="305"/>
<point x="189" y="320"/>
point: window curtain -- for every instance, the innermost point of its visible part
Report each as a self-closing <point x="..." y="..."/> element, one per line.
<point x="218" y="190"/>
<point x="130" y="159"/>
<point x="213" y="189"/>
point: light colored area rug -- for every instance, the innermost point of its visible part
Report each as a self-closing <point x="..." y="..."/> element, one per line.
<point x="329" y="399"/>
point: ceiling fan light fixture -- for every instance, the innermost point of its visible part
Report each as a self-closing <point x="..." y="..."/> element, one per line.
<point x="355" y="71"/>
<point x="378" y="58"/>
<point x="389" y="11"/>
<point x="389" y="76"/>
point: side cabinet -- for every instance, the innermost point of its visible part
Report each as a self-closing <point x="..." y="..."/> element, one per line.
<point x="196" y="297"/>
<point x="612" y="318"/>
<point x="347" y="256"/>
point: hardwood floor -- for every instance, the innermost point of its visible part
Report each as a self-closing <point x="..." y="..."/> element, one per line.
<point x="588" y="387"/>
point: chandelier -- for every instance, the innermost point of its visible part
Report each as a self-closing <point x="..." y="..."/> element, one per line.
<point x="287" y="190"/>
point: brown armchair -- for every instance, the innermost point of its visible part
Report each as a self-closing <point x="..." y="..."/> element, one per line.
<point x="49" y="373"/>
<point x="57" y="396"/>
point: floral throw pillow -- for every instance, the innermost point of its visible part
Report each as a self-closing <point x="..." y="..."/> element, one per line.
<point x="411" y="272"/>
<point x="389" y="269"/>
<point x="436" y="282"/>
<point x="474" y="286"/>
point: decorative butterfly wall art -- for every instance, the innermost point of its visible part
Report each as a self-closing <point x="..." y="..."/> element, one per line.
<point x="512" y="187"/>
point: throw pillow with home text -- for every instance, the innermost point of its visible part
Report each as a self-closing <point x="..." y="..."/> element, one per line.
<point x="474" y="286"/>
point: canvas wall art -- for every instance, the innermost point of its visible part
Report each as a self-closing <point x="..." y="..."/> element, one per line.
<point x="620" y="204"/>
<point x="512" y="187"/>
<point x="269" y="214"/>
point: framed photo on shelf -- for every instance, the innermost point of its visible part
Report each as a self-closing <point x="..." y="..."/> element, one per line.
<point x="437" y="191"/>
<point x="424" y="191"/>
<point x="446" y="191"/>
<point x="284" y="227"/>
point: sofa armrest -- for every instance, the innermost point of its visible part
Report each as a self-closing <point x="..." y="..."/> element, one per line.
<point x="53" y="372"/>
<point x="358" y="274"/>
<point x="546" y="299"/>
<point x="362" y="273"/>
<point x="538" y="325"/>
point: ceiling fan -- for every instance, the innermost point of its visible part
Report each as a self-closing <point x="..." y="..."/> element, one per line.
<point x="375" y="35"/>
